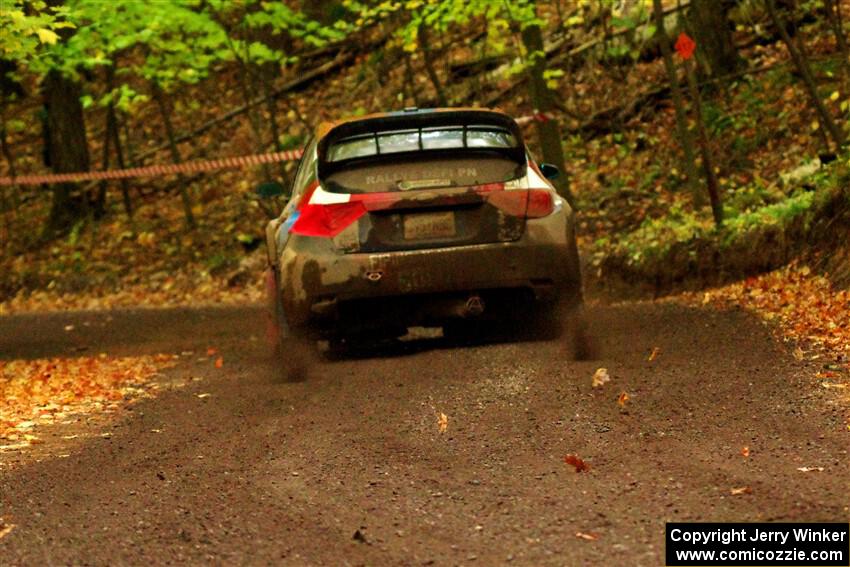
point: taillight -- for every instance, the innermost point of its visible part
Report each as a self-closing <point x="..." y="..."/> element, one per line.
<point x="540" y="204"/>
<point x="327" y="220"/>
<point x="531" y="203"/>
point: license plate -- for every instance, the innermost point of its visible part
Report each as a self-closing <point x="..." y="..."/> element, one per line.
<point x="429" y="225"/>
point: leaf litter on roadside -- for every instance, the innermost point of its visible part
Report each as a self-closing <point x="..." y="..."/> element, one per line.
<point x="43" y="391"/>
<point x="442" y="422"/>
<point x="807" y="310"/>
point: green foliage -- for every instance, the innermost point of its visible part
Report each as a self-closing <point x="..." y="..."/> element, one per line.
<point x="633" y="26"/>
<point x="443" y="15"/>
<point x="279" y="18"/>
<point x="29" y="29"/>
<point x="716" y="119"/>
<point x="266" y="18"/>
<point x="757" y="207"/>
<point x="167" y="43"/>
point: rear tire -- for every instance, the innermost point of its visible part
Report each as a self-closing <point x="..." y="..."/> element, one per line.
<point x="292" y="354"/>
<point x="578" y="342"/>
<point x="574" y="290"/>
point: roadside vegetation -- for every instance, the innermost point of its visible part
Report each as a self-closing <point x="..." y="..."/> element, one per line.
<point x="701" y="142"/>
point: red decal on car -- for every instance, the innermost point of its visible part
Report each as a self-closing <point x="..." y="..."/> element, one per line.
<point x="308" y="194"/>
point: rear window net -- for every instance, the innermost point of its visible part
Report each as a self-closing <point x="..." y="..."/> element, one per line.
<point x="421" y="139"/>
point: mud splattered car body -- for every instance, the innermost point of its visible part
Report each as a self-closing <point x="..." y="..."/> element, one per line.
<point x="423" y="217"/>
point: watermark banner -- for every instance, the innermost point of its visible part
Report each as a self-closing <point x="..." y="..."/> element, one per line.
<point x="761" y="544"/>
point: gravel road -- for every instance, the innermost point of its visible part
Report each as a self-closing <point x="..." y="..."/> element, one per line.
<point x="349" y="467"/>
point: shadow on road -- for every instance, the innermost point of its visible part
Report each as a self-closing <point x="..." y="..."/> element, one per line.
<point x="132" y="331"/>
<point x="172" y="330"/>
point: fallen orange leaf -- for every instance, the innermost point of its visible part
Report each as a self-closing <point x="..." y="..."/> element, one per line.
<point x="443" y="422"/>
<point x="212" y="351"/>
<point x="742" y="490"/>
<point x="600" y="378"/>
<point x="577" y="462"/>
<point x="219" y="362"/>
<point x="587" y="536"/>
<point x="654" y="354"/>
<point x="623" y="399"/>
<point x="745" y="451"/>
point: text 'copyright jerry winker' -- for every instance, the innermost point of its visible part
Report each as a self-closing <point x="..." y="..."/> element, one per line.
<point x="762" y="544"/>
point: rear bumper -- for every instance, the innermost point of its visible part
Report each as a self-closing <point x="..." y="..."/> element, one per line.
<point x="320" y="286"/>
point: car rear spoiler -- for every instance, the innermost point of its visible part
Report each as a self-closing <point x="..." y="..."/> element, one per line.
<point x="418" y="120"/>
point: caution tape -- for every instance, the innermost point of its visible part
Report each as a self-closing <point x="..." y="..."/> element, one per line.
<point x="155" y="170"/>
<point x="190" y="166"/>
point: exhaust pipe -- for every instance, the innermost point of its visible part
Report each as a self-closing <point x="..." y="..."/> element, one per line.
<point x="474" y="306"/>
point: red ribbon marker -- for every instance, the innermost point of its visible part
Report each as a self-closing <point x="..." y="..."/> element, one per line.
<point x="685" y="46"/>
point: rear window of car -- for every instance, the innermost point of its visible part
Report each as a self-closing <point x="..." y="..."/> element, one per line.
<point x="417" y="140"/>
<point x="429" y="172"/>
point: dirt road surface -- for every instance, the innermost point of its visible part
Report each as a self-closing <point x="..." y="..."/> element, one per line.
<point x="349" y="467"/>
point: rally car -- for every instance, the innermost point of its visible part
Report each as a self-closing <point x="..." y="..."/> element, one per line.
<point x="419" y="218"/>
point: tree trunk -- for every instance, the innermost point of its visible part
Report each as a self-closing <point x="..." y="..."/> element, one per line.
<point x="11" y="201"/>
<point x="68" y="150"/>
<point x="688" y="164"/>
<point x="429" y="66"/>
<point x="99" y="204"/>
<point x="271" y="108"/>
<point x="410" y="80"/>
<point x="253" y="113"/>
<point x="119" y="156"/>
<point x="705" y="151"/>
<point x="320" y="10"/>
<point x="802" y="65"/>
<point x="836" y="20"/>
<point x="111" y="137"/>
<point x="159" y="96"/>
<point x="715" y="47"/>
<point x="548" y="132"/>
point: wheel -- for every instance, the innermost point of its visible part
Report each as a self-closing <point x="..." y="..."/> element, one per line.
<point x="574" y="290"/>
<point x="292" y="354"/>
<point x="578" y="343"/>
